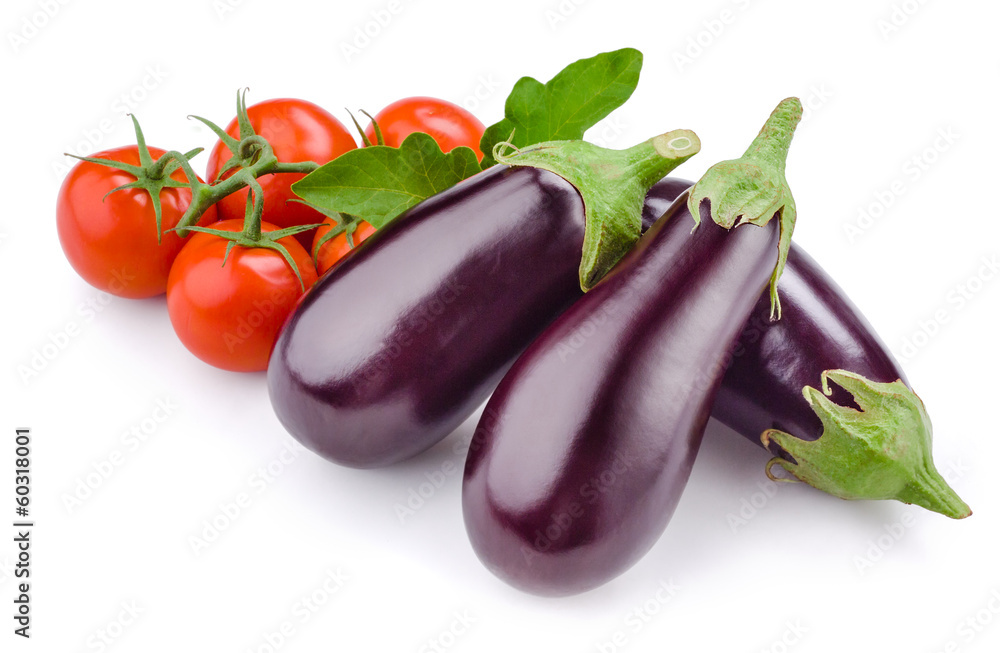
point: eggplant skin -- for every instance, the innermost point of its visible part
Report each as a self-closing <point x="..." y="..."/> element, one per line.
<point x="820" y="329"/>
<point x="403" y="339"/>
<point x="660" y="197"/>
<point x="585" y="447"/>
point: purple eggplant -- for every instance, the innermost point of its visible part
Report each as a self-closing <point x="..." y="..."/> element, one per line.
<point x="877" y="441"/>
<point x="660" y="197"/>
<point x="402" y="340"/>
<point x="586" y="445"/>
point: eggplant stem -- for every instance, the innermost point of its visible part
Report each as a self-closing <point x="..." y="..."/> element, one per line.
<point x="882" y="451"/>
<point x="752" y="189"/>
<point x="613" y="184"/>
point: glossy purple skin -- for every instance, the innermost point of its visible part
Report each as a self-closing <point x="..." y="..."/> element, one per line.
<point x="660" y="197"/>
<point x="405" y="337"/>
<point x="585" y="447"/>
<point x="820" y="329"/>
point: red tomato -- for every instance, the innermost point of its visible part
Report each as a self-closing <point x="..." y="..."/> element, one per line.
<point x="449" y="124"/>
<point x="337" y="247"/>
<point x="111" y="241"/>
<point x="297" y="131"/>
<point x="229" y="316"/>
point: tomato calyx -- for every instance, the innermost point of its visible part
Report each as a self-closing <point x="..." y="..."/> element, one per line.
<point x="252" y="236"/>
<point x="151" y="175"/>
<point x="379" y="139"/>
<point x="344" y="223"/>
<point x="249" y="149"/>
<point x="252" y="157"/>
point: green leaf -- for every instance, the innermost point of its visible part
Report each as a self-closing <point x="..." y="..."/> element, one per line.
<point x="380" y="182"/>
<point x="572" y="102"/>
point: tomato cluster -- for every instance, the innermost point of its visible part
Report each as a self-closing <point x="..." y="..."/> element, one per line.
<point x="228" y="297"/>
<point x="297" y="131"/>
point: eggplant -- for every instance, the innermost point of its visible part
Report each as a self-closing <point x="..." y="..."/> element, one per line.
<point x="404" y="338"/>
<point x="660" y="197"/>
<point x="586" y="445"/>
<point x="878" y="442"/>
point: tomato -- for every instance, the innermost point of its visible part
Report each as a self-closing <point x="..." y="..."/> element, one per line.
<point x="111" y="241"/>
<point x="337" y="247"/>
<point x="297" y="131"/>
<point x="229" y="315"/>
<point x="449" y="124"/>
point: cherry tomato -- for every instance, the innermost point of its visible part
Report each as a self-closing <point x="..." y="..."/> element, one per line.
<point x="111" y="241"/>
<point x="229" y="315"/>
<point x="448" y="124"/>
<point x="297" y="131"/>
<point x="337" y="247"/>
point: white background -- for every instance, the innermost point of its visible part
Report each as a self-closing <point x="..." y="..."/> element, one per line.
<point x="803" y="571"/>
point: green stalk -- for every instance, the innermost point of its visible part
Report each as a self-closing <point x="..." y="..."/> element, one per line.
<point x="881" y="450"/>
<point x="613" y="184"/>
<point x="753" y="188"/>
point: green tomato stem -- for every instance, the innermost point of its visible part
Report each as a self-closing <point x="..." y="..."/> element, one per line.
<point x="301" y="167"/>
<point x="252" y="157"/>
<point x="255" y="210"/>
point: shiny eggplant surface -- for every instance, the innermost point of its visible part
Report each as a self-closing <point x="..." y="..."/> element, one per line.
<point x="403" y="339"/>
<point x="585" y="447"/>
<point x="660" y="197"/>
<point x="820" y="329"/>
<point x="821" y="370"/>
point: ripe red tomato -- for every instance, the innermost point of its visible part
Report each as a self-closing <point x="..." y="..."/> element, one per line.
<point x="337" y="247"/>
<point x="448" y="124"/>
<point x="297" y="131"/>
<point x="111" y="241"/>
<point x="229" y="316"/>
